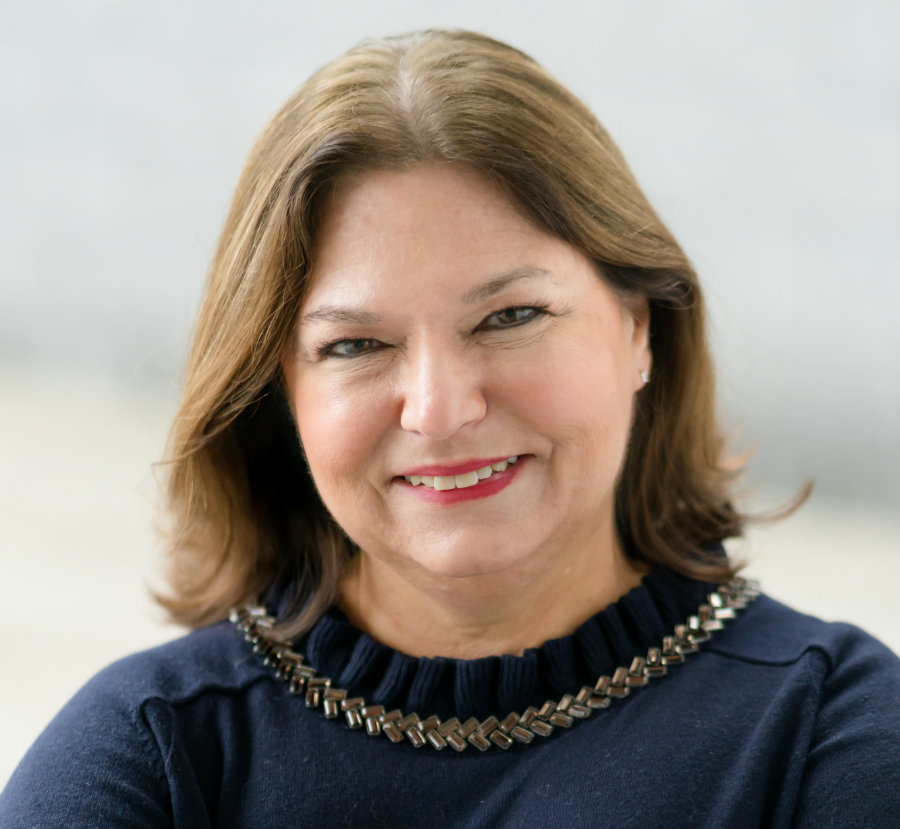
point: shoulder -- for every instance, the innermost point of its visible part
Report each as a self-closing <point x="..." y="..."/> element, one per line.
<point x="771" y="633"/>
<point x="837" y="687"/>
<point x="209" y="660"/>
<point x="106" y="758"/>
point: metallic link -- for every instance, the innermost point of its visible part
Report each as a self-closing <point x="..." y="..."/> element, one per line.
<point x="393" y="733"/>
<point x="655" y="666"/>
<point x="449" y="726"/>
<point x="541" y="728"/>
<point x="467" y="727"/>
<point x="523" y="735"/>
<point x="618" y="685"/>
<point x="565" y="702"/>
<point x="488" y="726"/>
<point x="509" y="721"/>
<point x="696" y="630"/>
<point x="480" y="742"/>
<point x="636" y="677"/>
<point x="415" y="737"/>
<point x="708" y="620"/>
<point x="547" y="709"/>
<point x="429" y="724"/>
<point x="408" y="721"/>
<point x="335" y="693"/>
<point x="670" y="653"/>
<point x="582" y="712"/>
<point x="528" y="716"/>
<point x="498" y="738"/>
<point x="456" y="742"/>
<point x="289" y="661"/>
<point x="436" y="740"/>
<point x="254" y="624"/>
<point x="683" y="639"/>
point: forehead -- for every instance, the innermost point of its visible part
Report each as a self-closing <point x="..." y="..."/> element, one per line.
<point x="433" y="221"/>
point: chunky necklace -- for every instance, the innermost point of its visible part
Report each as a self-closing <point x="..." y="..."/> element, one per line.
<point x="255" y="623"/>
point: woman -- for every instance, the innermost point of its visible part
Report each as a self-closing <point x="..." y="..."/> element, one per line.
<point x="448" y="445"/>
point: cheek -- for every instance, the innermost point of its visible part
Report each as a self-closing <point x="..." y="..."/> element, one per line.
<point x="340" y="432"/>
<point x="582" y="391"/>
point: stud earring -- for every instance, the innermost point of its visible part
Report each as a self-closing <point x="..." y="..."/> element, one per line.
<point x="645" y="378"/>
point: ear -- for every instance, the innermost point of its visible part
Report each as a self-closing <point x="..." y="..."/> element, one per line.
<point x="637" y="309"/>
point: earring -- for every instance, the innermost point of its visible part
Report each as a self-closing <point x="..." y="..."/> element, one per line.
<point x="645" y="378"/>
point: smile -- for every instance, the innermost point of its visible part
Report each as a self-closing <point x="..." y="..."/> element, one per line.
<point x="442" y="483"/>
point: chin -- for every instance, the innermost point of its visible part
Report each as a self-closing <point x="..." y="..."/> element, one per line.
<point x="453" y="565"/>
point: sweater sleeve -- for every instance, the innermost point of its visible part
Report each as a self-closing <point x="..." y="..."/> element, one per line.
<point x="95" y="764"/>
<point x="852" y="773"/>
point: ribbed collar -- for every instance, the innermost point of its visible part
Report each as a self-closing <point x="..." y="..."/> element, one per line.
<point x="499" y="684"/>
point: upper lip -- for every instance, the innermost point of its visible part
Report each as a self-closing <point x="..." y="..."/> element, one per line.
<point x="454" y="469"/>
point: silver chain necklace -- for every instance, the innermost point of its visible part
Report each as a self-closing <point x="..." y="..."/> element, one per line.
<point x="256" y="624"/>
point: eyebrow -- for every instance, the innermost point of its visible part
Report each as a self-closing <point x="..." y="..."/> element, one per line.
<point x="358" y="316"/>
<point x="498" y="283"/>
<point x="338" y="313"/>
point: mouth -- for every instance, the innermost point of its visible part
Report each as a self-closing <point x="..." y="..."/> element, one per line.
<point x="464" y="480"/>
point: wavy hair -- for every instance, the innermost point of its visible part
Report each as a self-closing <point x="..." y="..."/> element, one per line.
<point x="244" y="511"/>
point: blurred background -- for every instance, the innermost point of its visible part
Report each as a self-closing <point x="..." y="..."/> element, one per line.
<point x="765" y="133"/>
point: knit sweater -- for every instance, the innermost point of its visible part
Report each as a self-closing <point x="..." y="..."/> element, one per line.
<point x="780" y="720"/>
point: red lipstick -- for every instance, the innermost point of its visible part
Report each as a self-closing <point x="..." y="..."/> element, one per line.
<point x="497" y="482"/>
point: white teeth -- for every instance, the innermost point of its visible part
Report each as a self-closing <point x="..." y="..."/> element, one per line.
<point x="444" y="482"/>
<point x="467" y="479"/>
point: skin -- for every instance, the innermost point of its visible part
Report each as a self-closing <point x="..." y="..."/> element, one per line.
<point x="442" y="325"/>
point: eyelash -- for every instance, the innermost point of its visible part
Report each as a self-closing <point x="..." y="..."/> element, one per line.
<point x="367" y="345"/>
<point x="538" y="311"/>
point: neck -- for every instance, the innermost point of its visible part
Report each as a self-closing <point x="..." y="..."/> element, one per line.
<point x="483" y="615"/>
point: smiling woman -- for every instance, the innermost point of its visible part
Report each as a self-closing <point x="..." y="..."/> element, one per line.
<point x="428" y="363"/>
<point x="447" y="453"/>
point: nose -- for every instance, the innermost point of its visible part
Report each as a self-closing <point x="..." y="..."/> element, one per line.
<point x="442" y="391"/>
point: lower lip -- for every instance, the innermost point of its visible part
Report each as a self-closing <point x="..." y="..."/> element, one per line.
<point x="483" y="489"/>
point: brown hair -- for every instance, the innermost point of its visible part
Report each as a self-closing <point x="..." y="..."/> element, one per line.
<point x="245" y="511"/>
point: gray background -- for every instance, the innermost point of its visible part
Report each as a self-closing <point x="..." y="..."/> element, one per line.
<point x="765" y="133"/>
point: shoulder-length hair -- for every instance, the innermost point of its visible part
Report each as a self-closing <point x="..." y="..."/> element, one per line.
<point x="244" y="511"/>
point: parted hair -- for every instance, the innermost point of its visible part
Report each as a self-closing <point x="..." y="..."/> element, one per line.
<point x="243" y="510"/>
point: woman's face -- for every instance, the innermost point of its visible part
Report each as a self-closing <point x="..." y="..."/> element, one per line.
<point x="443" y="333"/>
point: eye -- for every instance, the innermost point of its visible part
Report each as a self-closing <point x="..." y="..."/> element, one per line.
<point x="511" y="317"/>
<point x="349" y="348"/>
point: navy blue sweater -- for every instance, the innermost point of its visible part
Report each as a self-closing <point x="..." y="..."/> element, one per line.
<point x="780" y="720"/>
